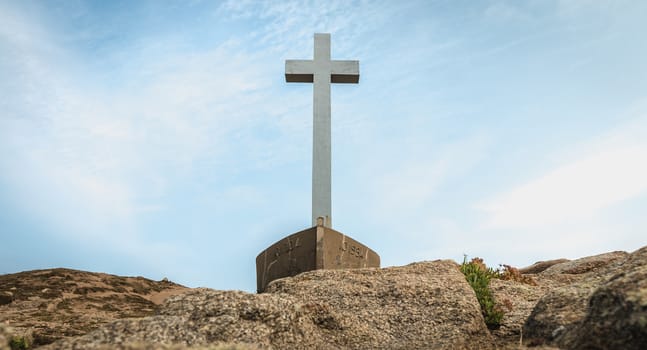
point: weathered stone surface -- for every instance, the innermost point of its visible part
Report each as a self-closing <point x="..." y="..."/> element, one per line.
<point x="400" y="307"/>
<point x="315" y="248"/>
<point x="518" y="300"/>
<point x="596" y="264"/>
<point x="541" y="266"/>
<point x="201" y="317"/>
<point x="57" y="303"/>
<point x="564" y="306"/>
<point x="5" y="337"/>
<point x="418" y="306"/>
<point x="6" y="297"/>
<point x="557" y="312"/>
<point x="591" y="303"/>
<point x="616" y="317"/>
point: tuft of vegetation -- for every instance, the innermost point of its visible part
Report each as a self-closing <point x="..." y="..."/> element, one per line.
<point x="509" y="273"/>
<point x="19" y="343"/>
<point x="478" y="275"/>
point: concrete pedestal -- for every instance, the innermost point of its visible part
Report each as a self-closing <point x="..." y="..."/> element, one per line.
<point x="315" y="248"/>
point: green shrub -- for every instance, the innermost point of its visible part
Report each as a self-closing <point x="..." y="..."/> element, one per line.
<point x="19" y="343"/>
<point x="478" y="276"/>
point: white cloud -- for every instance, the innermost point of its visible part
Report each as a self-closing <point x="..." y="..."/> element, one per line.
<point x="613" y="170"/>
<point x="84" y="158"/>
<point x="87" y="152"/>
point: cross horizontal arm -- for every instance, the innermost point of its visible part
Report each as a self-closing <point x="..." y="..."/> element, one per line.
<point x="344" y="72"/>
<point x="299" y="71"/>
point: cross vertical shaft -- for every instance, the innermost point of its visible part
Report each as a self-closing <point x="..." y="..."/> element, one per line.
<point x="321" y="71"/>
<point x="321" y="133"/>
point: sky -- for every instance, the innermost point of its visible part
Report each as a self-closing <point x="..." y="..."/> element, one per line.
<point x="160" y="139"/>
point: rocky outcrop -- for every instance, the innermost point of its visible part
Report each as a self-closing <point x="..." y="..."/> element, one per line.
<point x="58" y="303"/>
<point x="566" y="314"/>
<point x="616" y="315"/>
<point x="518" y="301"/>
<point x="551" y="301"/>
<point x="540" y="266"/>
<point x="400" y="307"/>
<point x="597" y="264"/>
<point x="597" y="302"/>
<point x="416" y="306"/>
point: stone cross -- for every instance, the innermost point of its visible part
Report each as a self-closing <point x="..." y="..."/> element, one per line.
<point x="318" y="247"/>
<point x="321" y="71"/>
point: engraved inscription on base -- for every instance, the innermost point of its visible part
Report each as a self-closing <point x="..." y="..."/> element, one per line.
<point x="316" y="248"/>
